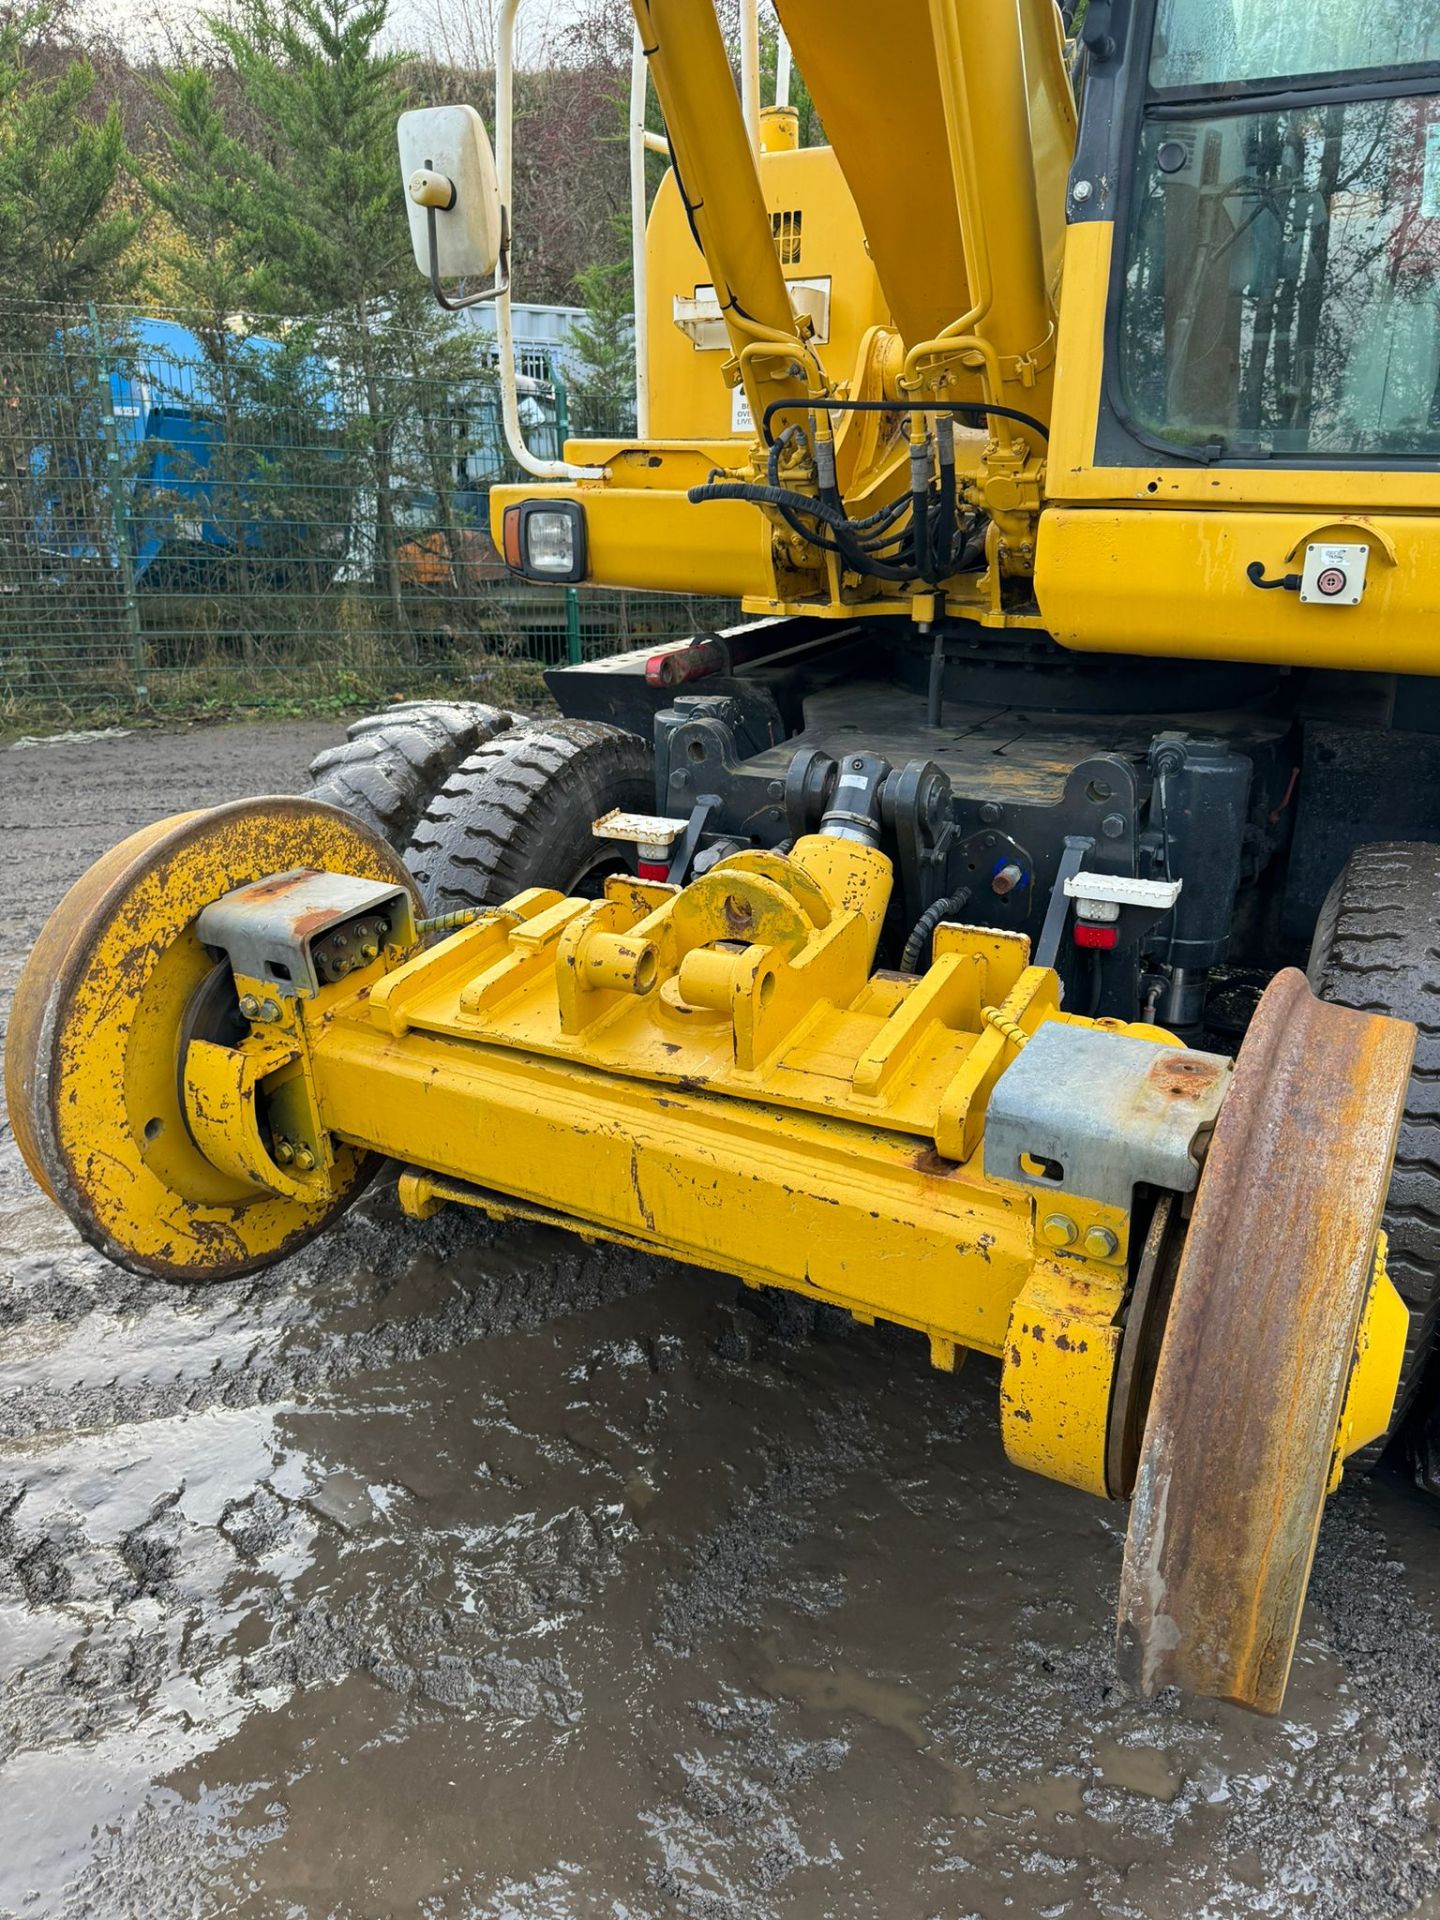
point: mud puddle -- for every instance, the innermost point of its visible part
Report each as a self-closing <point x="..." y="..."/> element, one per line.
<point x="458" y="1571"/>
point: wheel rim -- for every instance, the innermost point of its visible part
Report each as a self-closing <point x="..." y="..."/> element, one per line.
<point x="1257" y="1350"/>
<point x="113" y="987"/>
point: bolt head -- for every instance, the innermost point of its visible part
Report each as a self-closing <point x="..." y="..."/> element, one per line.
<point x="1101" y="1243"/>
<point x="249" y="1006"/>
<point x="304" y="1159"/>
<point x="1059" y="1230"/>
<point x="989" y="813"/>
<point x="270" y="1010"/>
<point x="1113" y="826"/>
<point x="284" y="1152"/>
<point x="1082" y="190"/>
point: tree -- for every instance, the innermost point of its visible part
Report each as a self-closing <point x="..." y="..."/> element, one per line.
<point x="601" y="353"/>
<point x="64" y="236"/>
<point x="202" y="252"/>
<point x="319" y="222"/>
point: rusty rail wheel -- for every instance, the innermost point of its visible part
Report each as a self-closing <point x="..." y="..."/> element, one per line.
<point x="117" y="986"/>
<point x="1259" y="1346"/>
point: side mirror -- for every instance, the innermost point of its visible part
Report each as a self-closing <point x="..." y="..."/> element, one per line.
<point x="452" y="196"/>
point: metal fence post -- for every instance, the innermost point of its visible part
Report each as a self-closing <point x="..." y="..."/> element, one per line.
<point x="119" y="513"/>
<point x="562" y="434"/>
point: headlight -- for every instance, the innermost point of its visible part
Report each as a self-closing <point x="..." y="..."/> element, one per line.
<point x="545" y="539"/>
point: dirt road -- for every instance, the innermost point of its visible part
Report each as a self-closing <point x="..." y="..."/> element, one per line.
<point x="460" y="1572"/>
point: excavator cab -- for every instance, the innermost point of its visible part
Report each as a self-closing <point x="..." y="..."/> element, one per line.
<point x="1251" y="278"/>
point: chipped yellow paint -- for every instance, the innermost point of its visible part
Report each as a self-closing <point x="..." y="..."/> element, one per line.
<point x="714" y="1073"/>
<point x="1379" y="1352"/>
<point x="1058" y="1371"/>
<point x="92" y="1069"/>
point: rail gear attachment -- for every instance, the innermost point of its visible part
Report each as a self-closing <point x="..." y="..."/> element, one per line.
<point x="1175" y="1259"/>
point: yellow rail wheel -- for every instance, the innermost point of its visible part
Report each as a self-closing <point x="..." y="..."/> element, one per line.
<point x="1282" y="1324"/>
<point x="116" y="988"/>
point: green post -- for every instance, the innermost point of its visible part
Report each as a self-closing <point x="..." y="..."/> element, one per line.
<point x="562" y="434"/>
<point x="119" y="513"/>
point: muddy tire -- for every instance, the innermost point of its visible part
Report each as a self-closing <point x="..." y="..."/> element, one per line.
<point x="1377" y="948"/>
<point x="391" y="764"/>
<point x="518" y="813"/>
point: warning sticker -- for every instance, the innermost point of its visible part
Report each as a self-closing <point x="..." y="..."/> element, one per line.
<point x="1430" y="191"/>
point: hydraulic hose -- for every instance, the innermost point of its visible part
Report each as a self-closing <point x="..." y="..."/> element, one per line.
<point x="923" y="932"/>
<point x="790" y="504"/>
<point x="973" y="409"/>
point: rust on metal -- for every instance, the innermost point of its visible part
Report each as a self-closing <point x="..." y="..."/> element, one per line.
<point x="1257" y="1350"/>
<point x="1184" y="1076"/>
<point x="98" y="1020"/>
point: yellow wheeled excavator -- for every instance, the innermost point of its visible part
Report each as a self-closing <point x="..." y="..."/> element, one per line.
<point x="926" y="945"/>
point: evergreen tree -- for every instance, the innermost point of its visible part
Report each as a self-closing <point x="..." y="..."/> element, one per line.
<point x="319" y="220"/>
<point x="202" y="259"/>
<point x="601" y="353"/>
<point x="63" y="236"/>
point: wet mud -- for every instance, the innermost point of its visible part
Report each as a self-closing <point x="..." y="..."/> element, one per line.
<point x="459" y="1571"/>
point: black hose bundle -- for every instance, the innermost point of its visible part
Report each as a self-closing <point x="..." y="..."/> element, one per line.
<point x="920" y="538"/>
<point x="923" y="932"/>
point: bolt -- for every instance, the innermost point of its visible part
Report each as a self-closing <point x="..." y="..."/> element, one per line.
<point x="1082" y="190"/>
<point x="1101" y="1243"/>
<point x="1060" y="1230"/>
<point x="270" y="1010"/>
<point x="249" y="1005"/>
<point x="776" y="790"/>
<point x="369" y="951"/>
<point x="382" y="927"/>
<point x="304" y="1159"/>
<point x="284" y="1152"/>
<point x="1113" y="826"/>
<point x="989" y="813"/>
<point x="1007" y="879"/>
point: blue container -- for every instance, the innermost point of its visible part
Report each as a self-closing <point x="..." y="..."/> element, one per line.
<point x="277" y="499"/>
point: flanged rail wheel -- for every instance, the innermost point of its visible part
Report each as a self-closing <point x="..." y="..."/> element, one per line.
<point x="1258" y="1349"/>
<point x="116" y="987"/>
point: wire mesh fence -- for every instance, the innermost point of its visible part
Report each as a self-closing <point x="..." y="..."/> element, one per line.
<point x="192" y="514"/>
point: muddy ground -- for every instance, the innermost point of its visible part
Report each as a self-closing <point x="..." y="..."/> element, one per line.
<point x="457" y="1571"/>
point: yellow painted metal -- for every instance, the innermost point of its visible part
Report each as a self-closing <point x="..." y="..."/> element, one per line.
<point x="1379" y="1352"/>
<point x="1073" y="477"/>
<point x="98" y="1026"/>
<point x="967" y="251"/>
<point x="1129" y="580"/>
<point x="818" y="236"/>
<point x="1058" y="1371"/>
<point x="708" y="137"/>
<point x="947" y="256"/>
<point x="714" y="1072"/>
<point x="1125" y="555"/>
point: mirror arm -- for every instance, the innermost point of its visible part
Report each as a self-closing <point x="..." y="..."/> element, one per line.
<point x="502" y="271"/>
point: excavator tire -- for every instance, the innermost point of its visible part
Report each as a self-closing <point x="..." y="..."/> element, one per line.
<point x="518" y="813"/>
<point x="391" y="764"/>
<point x="1377" y="948"/>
